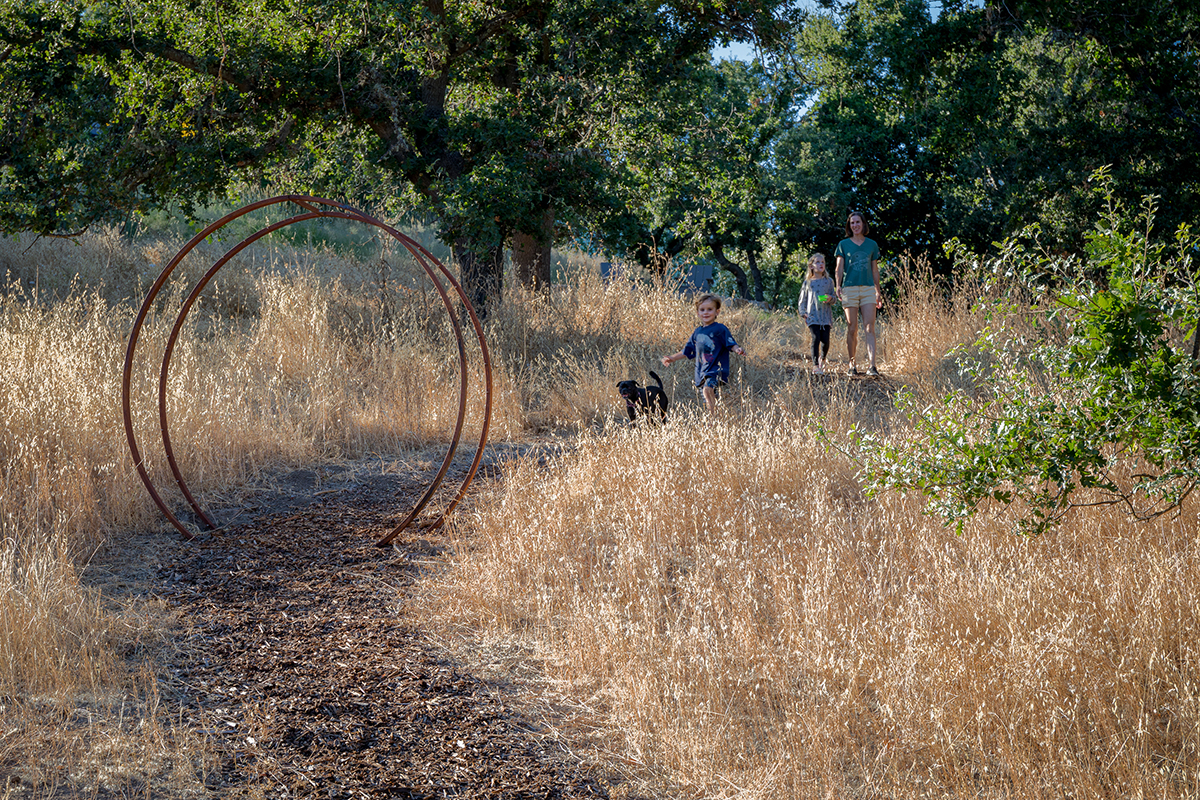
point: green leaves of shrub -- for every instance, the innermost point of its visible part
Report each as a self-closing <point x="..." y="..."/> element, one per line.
<point x="1099" y="405"/>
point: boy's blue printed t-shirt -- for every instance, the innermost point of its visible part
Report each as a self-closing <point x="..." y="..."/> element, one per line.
<point x="710" y="346"/>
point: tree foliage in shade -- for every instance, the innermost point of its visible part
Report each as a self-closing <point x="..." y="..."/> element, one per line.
<point x="977" y="121"/>
<point x="484" y="114"/>
<point x="957" y="121"/>
<point x="733" y="178"/>
<point x="604" y="120"/>
<point x="1100" y="405"/>
<point x="704" y="183"/>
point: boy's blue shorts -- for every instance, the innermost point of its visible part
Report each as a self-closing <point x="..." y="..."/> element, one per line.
<point x="713" y="381"/>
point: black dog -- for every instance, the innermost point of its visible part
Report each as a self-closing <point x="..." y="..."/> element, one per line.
<point x="650" y="400"/>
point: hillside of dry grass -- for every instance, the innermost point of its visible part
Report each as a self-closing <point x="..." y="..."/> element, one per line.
<point x="716" y="599"/>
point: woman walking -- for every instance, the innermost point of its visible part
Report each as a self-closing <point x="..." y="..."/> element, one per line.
<point x="857" y="286"/>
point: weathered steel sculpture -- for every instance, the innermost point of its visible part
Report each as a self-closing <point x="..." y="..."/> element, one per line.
<point x="314" y="208"/>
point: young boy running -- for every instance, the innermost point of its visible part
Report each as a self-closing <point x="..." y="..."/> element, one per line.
<point x="709" y="346"/>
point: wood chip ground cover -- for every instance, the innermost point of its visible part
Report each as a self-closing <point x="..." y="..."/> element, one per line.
<point x="299" y="661"/>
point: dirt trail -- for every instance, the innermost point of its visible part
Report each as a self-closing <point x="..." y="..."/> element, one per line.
<point x="301" y="662"/>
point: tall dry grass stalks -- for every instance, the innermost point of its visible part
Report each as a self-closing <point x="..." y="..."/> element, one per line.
<point x="275" y="368"/>
<point x="718" y="594"/>
<point x="721" y="597"/>
<point x="290" y="357"/>
<point x="566" y="350"/>
<point x="730" y="602"/>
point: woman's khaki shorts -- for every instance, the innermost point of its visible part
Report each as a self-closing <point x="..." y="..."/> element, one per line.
<point x="858" y="296"/>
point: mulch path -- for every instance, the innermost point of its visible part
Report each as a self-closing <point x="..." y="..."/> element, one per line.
<point x="302" y="664"/>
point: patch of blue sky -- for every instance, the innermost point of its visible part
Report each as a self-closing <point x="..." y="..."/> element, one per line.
<point x="735" y="51"/>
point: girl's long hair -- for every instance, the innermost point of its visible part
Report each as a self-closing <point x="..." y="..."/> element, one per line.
<point x="811" y="259"/>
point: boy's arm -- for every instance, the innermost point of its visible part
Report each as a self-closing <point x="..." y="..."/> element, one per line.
<point x="671" y="359"/>
<point x="733" y="345"/>
<point x="682" y="354"/>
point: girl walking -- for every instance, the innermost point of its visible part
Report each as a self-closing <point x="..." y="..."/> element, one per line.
<point x="816" y="309"/>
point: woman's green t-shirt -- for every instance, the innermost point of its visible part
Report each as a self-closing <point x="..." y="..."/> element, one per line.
<point x="858" y="258"/>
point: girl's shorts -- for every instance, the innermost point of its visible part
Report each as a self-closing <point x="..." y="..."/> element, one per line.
<point x="857" y="296"/>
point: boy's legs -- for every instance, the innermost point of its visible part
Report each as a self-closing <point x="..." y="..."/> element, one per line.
<point x="710" y="390"/>
<point x="710" y="399"/>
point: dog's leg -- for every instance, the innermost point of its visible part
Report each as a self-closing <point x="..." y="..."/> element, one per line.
<point x="658" y="398"/>
<point x="643" y="400"/>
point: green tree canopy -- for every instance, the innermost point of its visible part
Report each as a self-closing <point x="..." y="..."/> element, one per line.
<point x="485" y="114"/>
<point x="973" y="121"/>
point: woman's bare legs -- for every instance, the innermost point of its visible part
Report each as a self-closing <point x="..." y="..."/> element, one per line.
<point x="852" y="333"/>
<point x="868" y="317"/>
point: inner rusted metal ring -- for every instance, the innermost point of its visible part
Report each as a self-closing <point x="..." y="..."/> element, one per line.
<point x="315" y="208"/>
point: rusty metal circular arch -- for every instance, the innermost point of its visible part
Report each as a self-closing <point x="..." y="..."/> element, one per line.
<point x="314" y="208"/>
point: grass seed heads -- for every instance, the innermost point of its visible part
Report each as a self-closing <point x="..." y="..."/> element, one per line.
<point x="719" y="595"/>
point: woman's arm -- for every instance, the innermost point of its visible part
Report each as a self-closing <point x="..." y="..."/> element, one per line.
<point x="878" y="286"/>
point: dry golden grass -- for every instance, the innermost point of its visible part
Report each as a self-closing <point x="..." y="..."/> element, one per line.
<point x="726" y="612"/>
<point x="722" y="600"/>
<point x="728" y="599"/>
<point x="292" y="357"/>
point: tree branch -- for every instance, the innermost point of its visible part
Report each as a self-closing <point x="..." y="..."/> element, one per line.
<point x="739" y="274"/>
<point x="489" y="29"/>
<point x="213" y="68"/>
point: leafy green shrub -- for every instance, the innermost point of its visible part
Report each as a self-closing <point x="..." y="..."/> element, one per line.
<point x="1094" y="399"/>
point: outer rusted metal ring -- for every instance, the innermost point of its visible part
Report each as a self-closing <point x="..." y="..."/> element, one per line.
<point x="331" y="209"/>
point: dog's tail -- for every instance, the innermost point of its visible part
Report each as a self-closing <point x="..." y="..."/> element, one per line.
<point x="657" y="379"/>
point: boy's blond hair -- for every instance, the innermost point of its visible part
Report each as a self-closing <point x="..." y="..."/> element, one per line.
<point x="706" y="297"/>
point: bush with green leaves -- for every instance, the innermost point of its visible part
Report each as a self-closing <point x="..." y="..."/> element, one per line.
<point x="1085" y="391"/>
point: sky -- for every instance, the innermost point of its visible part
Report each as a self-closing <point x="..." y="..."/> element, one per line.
<point x="741" y="51"/>
<point x="744" y="51"/>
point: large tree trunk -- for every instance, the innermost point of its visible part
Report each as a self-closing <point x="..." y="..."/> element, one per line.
<point x="531" y="254"/>
<point x="739" y="274"/>
<point x="756" y="274"/>
<point x="786" y="251"/>
<point x="481" y="273"/>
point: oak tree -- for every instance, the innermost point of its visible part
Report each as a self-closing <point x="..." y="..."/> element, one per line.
<point x="494" y="117"/>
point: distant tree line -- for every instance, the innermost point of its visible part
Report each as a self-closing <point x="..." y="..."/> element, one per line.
<point x="521" y="123"/>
